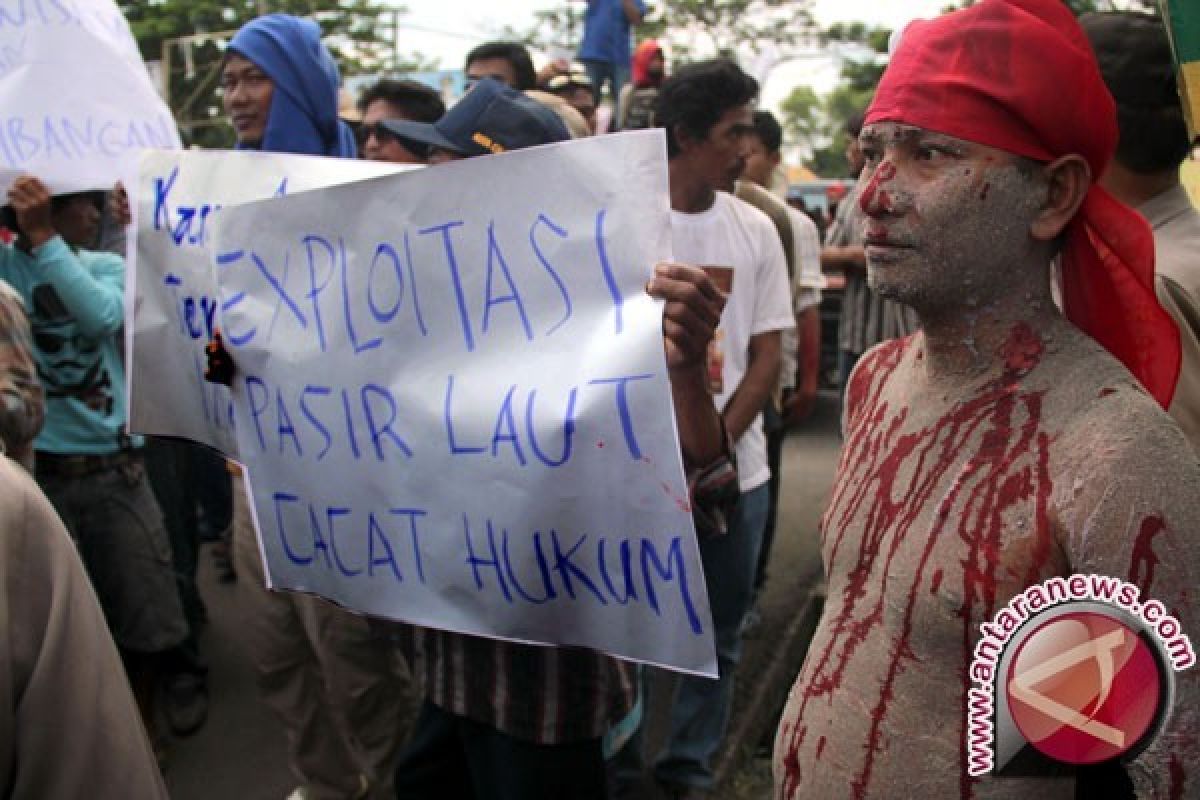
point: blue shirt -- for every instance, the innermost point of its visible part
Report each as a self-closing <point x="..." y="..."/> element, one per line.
<point x="606" y="32"/>
<point x="76" y="305"/>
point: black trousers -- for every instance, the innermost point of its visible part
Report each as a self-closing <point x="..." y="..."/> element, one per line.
<point x="454" y="758"/>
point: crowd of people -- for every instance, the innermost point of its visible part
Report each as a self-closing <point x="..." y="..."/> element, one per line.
<point x="1019" y="355"/>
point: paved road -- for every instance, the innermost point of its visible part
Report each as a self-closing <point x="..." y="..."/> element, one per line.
<point x="240" y="754"/>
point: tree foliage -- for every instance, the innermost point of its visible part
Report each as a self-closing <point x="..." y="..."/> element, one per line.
<point x="744" y="29"/>
<point x="816" y="124"/>
<point x="189" y="37"/>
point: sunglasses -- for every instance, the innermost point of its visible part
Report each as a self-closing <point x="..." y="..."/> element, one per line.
<point x="471" y="80"/>
<point x="375" y="129"/>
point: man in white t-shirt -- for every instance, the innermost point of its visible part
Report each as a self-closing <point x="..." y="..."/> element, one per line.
<point x="706" y="109"/>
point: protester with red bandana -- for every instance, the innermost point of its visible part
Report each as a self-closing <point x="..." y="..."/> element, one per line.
<point x="1004" y="444"/>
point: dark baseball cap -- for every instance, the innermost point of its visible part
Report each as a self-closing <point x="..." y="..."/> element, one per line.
<point x="1134" y="55"/>
<point x="491" y="118"/>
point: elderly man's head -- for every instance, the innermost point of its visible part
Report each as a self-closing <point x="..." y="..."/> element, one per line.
<point x="1001" y="107"/>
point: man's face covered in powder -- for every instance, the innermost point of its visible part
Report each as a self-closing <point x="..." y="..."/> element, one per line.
<point x="948" y="219"/>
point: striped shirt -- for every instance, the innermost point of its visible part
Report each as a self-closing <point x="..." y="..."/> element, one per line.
<point x="545" y="694"/>
<point x="867" y="319"/>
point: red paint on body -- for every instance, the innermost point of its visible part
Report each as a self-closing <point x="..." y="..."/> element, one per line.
<point x="1178" y="778"/>
<point x="1107" y="392"/>
<point x="1009" y="467"/>
<point x="885" y="172"/>
<point x="1144" y="559"/>
<point x="820" y="747"/>
<point x="936" y="583"/>
<point x="1023" y="350"/>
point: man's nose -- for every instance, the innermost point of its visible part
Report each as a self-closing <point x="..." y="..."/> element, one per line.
<point x="234" y="95"/>
<point x="878" y="195"/>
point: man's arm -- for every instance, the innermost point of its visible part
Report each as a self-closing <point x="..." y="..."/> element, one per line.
<point x="690" y="316"/>
<point x="851" y="259"/>
<point x="1135" y="516"/>
<point x="97" y="302"/>
<point x="808" y="364"/>
<point x="762" y="371"/>
<point x="634" y="11"/>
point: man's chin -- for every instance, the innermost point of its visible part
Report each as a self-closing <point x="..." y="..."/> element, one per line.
<point x="884" y="282"/>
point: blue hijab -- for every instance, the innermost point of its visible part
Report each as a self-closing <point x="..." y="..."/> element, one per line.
<point x="303" y="116"/>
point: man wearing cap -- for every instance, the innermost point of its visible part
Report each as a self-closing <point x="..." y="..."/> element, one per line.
<point x="1135" y="59"/>
<point x="575" y="87"/>
<point x="395" y="99"/>
<point x="507" y="721"/>
<point x="333" y="685"/>
<point x="1004" y="445"/>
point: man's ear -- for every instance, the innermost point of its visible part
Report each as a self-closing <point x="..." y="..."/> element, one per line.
<point x="776" y="158"/>
<point x="683" y="137"/>
<point x="1067" y="181"/>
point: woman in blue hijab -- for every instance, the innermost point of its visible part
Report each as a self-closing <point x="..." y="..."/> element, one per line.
<point x="317" y="667"/>
<point x="281" y="88"/>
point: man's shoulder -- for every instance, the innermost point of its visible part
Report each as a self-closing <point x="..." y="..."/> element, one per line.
<point x="1105" y="417"/>
<point x="744" y="211"/>
<point x="754" y="222"/>
<point x="802" y="224"/>
<point x="1177" y="250"/>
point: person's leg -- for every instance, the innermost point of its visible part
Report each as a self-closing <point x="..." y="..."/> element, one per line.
<point x="596" y="72"/>
<point x="700" y="710"/>
<point x="627" y="766"/>
<point x="288" y="674"/>
<point x="366" y="687"/>
<point x="185" y="674"/>
<point x="620" y="77"/>
<point x="504" y="767"/>
<point x="775" y="431"/>
<point x="119" y="530"/>
<point x="434" y="763"/>
<point x="214" y="491"/>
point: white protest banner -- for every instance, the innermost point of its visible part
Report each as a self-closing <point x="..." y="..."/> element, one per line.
<point x="172" y="297"/>
<point x="453" y="403"/>
<point x="76" y="101"/>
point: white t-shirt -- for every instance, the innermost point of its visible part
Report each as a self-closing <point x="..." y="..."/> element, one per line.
<point x="735" y="234"/>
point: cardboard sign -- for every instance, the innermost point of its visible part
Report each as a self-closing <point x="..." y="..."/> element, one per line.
<point x="452" y="399"/>
<point x="76" y="102"/>
<point x="172" y="295"/>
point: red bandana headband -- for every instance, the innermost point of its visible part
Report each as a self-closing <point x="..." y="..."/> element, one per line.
<point x="1020" y="76"/>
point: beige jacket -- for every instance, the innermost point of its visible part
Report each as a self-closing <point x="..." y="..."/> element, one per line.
<point x="68" y="724"/>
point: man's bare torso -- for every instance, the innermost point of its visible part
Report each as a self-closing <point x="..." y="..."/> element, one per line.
<point x="944" y="508"/>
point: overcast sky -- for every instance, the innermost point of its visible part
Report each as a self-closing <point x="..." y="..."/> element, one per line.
<point x="447" y="29"/>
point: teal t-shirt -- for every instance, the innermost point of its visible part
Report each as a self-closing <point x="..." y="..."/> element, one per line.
<point x="76" y="305"/>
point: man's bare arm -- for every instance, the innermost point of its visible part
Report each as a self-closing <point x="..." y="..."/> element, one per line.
<point x="690" y="316"/>
<point x="1127" y="507"/>
<point x="762" y="371"/>
<point x="632" y="12"/>
<point x="808" y="363"/>
<point x="851" y="258"/>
